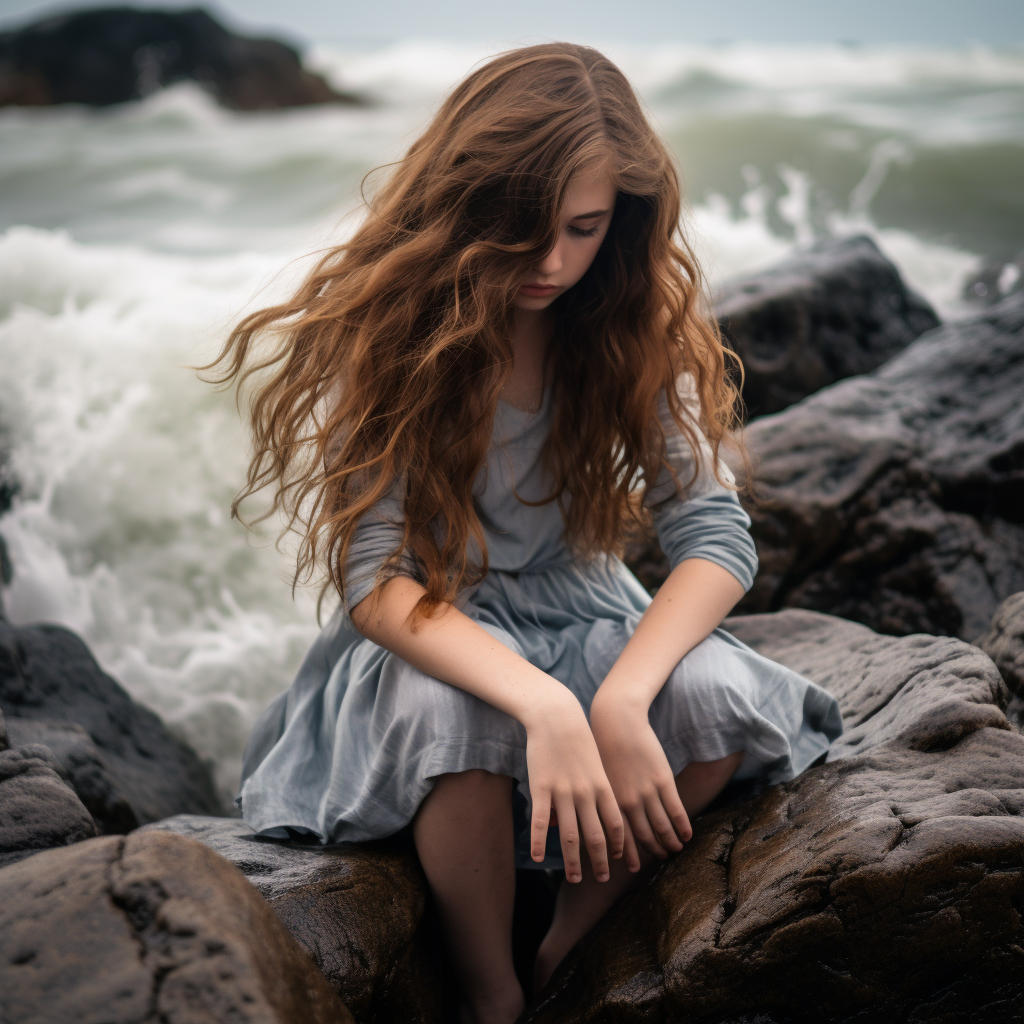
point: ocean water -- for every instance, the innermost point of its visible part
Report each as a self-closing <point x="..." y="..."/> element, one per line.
<point x="132" y="238"/>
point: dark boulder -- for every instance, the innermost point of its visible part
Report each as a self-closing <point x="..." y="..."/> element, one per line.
<point x="356" y="908"/>
<point x="897" y="499"/>
<point x="85" y="767"/>
<point x="38" y="808"/>
<point x="832" y="311"/>
<point x="115" y="54"/>
<point x="886" y="885"/>
<point x="149" y="927"/>
<point x="127" y="767"/>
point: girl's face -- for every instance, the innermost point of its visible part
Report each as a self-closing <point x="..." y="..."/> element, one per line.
<point x="586" y="214"/>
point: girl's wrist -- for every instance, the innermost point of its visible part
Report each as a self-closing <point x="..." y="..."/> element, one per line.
<point x="617" y="698"/>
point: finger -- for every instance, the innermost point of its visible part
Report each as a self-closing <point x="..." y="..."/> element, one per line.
<point x="629" y="850"/>
<point x="614" y="824"/>
<point x="642" y="832"/>
<point x="539" y="824"/>
<point x="659" y="822"/>
<point x="593" y="836"/>
<point x="569" y="833"/>
<point x="674" y="808"/>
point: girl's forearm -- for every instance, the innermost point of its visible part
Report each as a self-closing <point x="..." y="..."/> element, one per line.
<point x="694" y="599"/>
<point x="452" y="647"/>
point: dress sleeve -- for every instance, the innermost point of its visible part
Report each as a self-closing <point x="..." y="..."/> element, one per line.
<point x="378" y="535"/>
<point x="708" y="521"/>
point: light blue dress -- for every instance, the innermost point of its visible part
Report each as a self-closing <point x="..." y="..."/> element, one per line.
<point x="350" y="750"/>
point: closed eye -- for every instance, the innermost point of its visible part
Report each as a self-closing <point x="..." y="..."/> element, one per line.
<point x="584" y="232"/>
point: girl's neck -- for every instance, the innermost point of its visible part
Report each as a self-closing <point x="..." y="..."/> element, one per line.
<point x="531" y="334"/>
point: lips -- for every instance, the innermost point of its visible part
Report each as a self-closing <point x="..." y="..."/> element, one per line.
<point x="538" y="291"/>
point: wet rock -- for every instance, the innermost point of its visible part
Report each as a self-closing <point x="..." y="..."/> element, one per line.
<point x="885" y="885"/>
<point x="144" y="928"/>
<point x="38" y="808"/>
<point x="832" y="311"/>
<point x="356" y="908"/>
<point x="897" y="498"/>
<point x="111" y="55"/>
<point x="1004" y="642"/>
<point x="125" y="763"/>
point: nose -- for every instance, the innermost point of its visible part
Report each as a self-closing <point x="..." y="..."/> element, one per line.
<point x="552" y="262"/>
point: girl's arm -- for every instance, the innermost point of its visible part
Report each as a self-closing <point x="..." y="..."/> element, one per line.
<point x="694" y="599"/>
<point x="563" y="761"/>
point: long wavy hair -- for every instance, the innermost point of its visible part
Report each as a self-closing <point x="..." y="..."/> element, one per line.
<point x="382" y="373"/>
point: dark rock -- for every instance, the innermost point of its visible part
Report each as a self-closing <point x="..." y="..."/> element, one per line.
<point x="884" y="886"/>
<point x="356" y="908"/>
<point x="128" y="765"/>
<point x="832" y="311"/>
<point x="1004" y="642"/>
<point x="4" y="743"/>
<point x="150" y="927"/>
<point x="897" y="499"/>
<point x="111" y="55"/>
<point x="38" y="809"/>
<point x="86" y="769"/>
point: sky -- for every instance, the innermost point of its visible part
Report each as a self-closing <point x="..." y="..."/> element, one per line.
<point x="931" y="22"/>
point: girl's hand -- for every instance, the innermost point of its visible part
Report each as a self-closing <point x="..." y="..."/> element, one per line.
<point x="641" y="779"/>
<point x="567" y="777"/>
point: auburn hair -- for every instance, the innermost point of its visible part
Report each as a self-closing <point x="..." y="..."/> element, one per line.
<point x="383" y="371"/>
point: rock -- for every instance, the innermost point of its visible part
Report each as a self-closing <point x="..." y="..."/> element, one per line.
<point x="832" y="311"/>
<point x="38" y="809"/>
<point x="86" y="769"/>
<point x="4" y="743"/>
<point x="885" y="885"/>
<point x="1004" y="642"/>
<point x="125" y="762"/>
<point x="115" y="54"/>
<point x="897" y="498"/>
<point x="356" y="908"/>
<point x="149" y="927"/>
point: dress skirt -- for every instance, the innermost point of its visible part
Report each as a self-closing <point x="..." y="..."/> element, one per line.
<point x="351" y="749"/>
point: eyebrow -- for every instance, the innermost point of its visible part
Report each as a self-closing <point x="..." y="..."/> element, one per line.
<point x="586" y="216"/>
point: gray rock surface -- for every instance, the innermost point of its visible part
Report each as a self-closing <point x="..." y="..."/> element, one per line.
<point x="85" y="767"/>
<point x="356" y="908"/>
<point x="38" y="808"/>
<point x="126" y="765"/>
<point x="884" y="886"/>
<point x="144" y="929"/>
<point x="1004" y="642"/>
<point x="832" y="311"/>
<point x="897" y="498"/>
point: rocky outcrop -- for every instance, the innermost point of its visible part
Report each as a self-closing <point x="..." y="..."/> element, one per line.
<point x="1004" y="642"/>
<point x="111" y="55"/>
<point x="356" y="908"/>
<point x="124" y="763"/>
<point x="149" y="927"/>
<point x="897" y="499"/>
<point x="886" y="885"/>
<point x="832" y="311"/>
<point x="38" y="808"/>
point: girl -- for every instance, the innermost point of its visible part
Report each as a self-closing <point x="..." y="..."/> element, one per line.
<point x="469" y="404"/>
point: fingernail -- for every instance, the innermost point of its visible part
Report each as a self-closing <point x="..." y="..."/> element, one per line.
<point x="602" y="878"/>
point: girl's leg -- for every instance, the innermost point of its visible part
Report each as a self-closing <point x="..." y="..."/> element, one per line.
<point x="579" y="907"/>
<point x="463" y="834"/>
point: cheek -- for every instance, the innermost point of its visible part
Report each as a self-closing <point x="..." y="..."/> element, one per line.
<point x="585" y="254"/>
